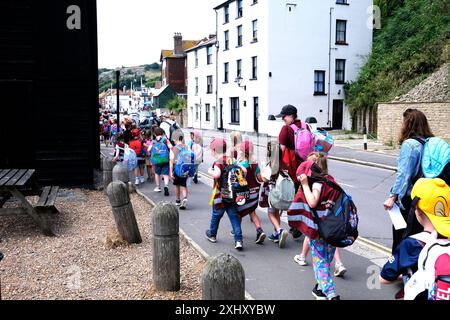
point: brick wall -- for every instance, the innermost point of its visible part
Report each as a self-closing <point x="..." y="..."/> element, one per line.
<point x="390" y="119"/>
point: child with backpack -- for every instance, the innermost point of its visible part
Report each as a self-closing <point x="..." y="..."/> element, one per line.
<point x="270" y="175"/>
<point x="137" y="145"/>
<point x="106" y="132"/>
<point x="422" y="260"/>
<point x="320" y="159"/>
<point x="159" y="154"/>
<point x="253" y="177"/>
<point x="196" y="145"/>
<point x="309" y="199"/>
<point x="220" y="202"/>
<point x="182" y="167"/>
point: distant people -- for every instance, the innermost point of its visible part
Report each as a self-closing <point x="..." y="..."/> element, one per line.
<point x="127" y="132"/>
<point x="147" y="140"/>
<point x="114" y="131"/>
<point x="137" y="145"/>
<point x="414" y="131"/>
<point x="106" y="132"/>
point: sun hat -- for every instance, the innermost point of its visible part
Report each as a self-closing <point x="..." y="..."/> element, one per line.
<point x="434" y="200"/>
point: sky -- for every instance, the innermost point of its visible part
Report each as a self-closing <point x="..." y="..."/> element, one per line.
<point x="133" y="32"/>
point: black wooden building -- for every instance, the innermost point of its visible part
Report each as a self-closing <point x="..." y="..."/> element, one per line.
<point x="49" y="89"/>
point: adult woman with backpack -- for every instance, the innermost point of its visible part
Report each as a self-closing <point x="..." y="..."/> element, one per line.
<point x="414" y="131"/>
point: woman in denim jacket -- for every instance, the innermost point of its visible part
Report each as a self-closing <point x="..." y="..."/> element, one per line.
<point x="415" y="127"/>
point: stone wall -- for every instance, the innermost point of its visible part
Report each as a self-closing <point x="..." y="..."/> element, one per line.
<point x="390" y="119"/>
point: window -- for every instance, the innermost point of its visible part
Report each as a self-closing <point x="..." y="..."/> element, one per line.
<point x="341" y="31"/>
<point x="319" y="82"/>
<point x="207" y="110"/>
<point x="234" y="110"/>
<point x="196" y="86"/>
<point x="226" y="36"/>
<point x="255" y="30"/>
<point x="209" y="54"/>
<point x="239" y="9"/>
<point x="255" y="1"/>
<point x="209" y="84"/>
<point x="340" y="71"/>
<point x="239" y="34"/>
<point x="341" y="2"/>
<point x="225" y="72"/>
<point x="238" y="68"/>
<point x="226" y="12"/>
<point x="196" y="58"/>
<point x="197" y="107"/>
<point x="254" y="67"/>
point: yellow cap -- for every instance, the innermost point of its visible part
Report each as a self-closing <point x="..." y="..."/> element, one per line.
<point x="434" y="195"/>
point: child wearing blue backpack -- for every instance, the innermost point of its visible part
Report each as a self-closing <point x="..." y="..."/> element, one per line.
<point x="159" y="151"/>
<point x="182" y="167"/>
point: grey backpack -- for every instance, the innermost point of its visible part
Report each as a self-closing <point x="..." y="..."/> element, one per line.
<point x="282" y="195"/>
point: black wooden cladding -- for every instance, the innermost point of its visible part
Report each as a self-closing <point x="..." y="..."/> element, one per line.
<point x="48" y="81"/>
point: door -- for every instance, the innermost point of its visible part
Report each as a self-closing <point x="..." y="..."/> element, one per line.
<point x="255" y="114"/>
<point x="338" y="114"/>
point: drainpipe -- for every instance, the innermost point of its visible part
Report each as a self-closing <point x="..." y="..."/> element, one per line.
<point x="216" y="117"/>
<point x="329" y="68"/>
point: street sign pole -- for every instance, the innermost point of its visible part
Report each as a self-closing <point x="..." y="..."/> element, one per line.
<point x="118" y="99"/>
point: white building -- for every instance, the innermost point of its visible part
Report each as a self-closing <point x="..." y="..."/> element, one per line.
<point x="287" y="52"/>
<point x="202" y="84"/>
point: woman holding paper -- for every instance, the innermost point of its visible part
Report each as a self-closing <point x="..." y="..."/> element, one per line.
<point x="415" y="130"/>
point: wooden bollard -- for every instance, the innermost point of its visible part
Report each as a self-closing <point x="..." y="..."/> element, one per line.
<point x="223" y="278"/>
<point x="108" y="166"/>
<point x="123" y="212"/>
<point x="120" y="173"/>
<point x="166" y="247"/>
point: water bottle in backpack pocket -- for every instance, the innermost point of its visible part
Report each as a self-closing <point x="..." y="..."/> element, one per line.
<point x="233" y="185"/>
<point x="159" y="152"/>
<point x="185" y="164"/>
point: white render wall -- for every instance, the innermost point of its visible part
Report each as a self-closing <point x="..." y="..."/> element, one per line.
<point x="199" y="101"/>
<point x="291" y="45"/>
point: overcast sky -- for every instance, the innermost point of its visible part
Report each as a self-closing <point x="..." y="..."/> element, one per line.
<point x="133" y="32"/>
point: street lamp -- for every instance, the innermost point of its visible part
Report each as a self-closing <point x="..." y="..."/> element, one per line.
<point x="239" y="82"/>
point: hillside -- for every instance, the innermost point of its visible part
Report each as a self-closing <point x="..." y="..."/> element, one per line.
<point x="413" y="42"/>
<point x="149" y="73"/>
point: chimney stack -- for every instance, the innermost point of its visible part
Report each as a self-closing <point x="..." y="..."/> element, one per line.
<point x="178" y="43"/>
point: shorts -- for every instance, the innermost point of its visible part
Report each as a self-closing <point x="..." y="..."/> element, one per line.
<point x="141" y="162"/>
<point x="162" y="169"/>
<point x="177" y="181"/>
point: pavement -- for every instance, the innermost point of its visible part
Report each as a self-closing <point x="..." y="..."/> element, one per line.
<point x="271" y="273"/>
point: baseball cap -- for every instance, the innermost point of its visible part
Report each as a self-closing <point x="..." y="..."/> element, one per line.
<point x="218" y="144"/>
<point x="434" y="201"/>
<point x="287" y="110"/>
<point x="135" y="132"/>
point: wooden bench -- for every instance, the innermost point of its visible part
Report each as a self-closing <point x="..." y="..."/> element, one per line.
<point x="46" y="202"/>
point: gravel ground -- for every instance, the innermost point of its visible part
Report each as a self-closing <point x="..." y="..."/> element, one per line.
<point x="78" y="263"/>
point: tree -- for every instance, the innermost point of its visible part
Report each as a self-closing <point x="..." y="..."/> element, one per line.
<point x="177" y="105"/>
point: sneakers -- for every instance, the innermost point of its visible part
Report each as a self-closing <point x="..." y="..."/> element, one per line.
<point x="260" y="237"/>
<point x="136" y="181"/>
<point x="183" y="204"/>
<point x="238" y="246"/>
<point x="282" y="235"/>
<point x="157" y="189"/>
<point x="195" y="179"/>
<point x="210" y="237"/>
<point x="335" y="298"/>
<point x="178" y="203"/>
<point x="316" y="292"/>
<point x="166" y="191"/>
<point x="340" y="270"/>
<point x="142" y="179"/>
<point x="274" y="238"/>
<point x="301" y="260"/>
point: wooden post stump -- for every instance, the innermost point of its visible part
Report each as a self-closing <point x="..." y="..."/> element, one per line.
<point x="223" y="278"/>
<point x="120" y="173"/>
<point x="123" y="212"/>
<point x="108" y="166"/>
<point x="166" y="247"/>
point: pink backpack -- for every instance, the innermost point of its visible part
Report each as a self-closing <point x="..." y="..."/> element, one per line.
<point x="304" y="140"/>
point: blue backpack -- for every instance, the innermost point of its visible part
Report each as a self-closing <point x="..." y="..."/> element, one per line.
<point x="185" y="164"/>
<point x="160" y="152"/>
<point x="436" y="159"/>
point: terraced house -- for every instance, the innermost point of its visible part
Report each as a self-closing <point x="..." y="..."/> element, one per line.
<point x="273" y="53"/>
